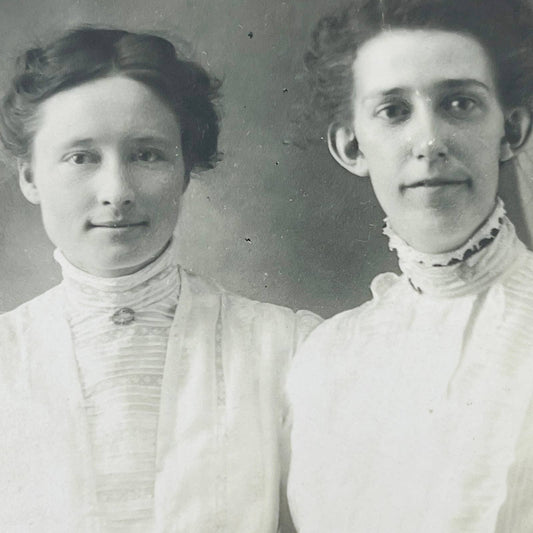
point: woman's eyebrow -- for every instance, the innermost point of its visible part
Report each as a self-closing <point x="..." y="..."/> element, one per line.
<point x="83" y="141"/>
<point x="395" y="91"/>
<point x="463" y="83"/>
<point x="151" y="139"/>
<point x="90" y="141"/>
<point x="447" y="84"/>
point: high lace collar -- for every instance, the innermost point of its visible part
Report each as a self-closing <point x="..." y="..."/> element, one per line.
<point x="468" y="269"/>
<point x="150" y="284"/>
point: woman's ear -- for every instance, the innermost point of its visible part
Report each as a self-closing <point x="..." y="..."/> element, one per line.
<point x="344" y="147"/>
<point x="26" y="182"/>
<point x="517" y="130"/>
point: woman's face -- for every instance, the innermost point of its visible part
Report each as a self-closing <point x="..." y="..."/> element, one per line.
<point x="429" y="127"/>
<point x="108" y="172"/>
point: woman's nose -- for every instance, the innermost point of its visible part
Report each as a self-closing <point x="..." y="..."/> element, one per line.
<point x="114" y="186"/>
<point x="431" y="149"/>
<point x="428" y="138"/>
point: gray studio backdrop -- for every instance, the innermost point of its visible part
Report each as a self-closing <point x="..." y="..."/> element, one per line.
<point x="277" y="220"/>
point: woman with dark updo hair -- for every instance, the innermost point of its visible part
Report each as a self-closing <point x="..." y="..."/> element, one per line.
<point x="134" y="396"/>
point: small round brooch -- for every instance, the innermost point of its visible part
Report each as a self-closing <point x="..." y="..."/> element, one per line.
<point x="123" y="316"/>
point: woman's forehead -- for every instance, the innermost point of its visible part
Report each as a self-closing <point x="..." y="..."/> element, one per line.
<point x="418" y="59"/>
<point x="108" y="106"/>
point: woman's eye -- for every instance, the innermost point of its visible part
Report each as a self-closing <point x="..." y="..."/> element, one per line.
<point x="393" y="112"/>
<point x="82" y="158"/>
<point x="147" y="156"/>
<point x="461" y="106"/>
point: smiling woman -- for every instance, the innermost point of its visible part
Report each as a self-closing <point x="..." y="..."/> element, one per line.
<point x="423" y="396"/>
<point x="104" y="182"/>
<point x="134" y="396"/>
<point x="429" y="134"/>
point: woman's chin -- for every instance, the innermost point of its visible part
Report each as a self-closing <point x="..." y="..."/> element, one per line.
<point x="115" y="264"/>
<point x="440" y="234"/>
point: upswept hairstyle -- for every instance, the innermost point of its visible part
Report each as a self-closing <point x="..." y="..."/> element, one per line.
<point x="503" y="27"/>
<point x="88" y="53"/>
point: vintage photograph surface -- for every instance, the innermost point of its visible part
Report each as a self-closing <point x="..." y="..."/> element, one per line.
<point x="265" y="267"/>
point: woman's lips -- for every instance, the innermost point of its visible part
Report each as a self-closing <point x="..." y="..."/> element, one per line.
<point x="117" y="228"/>
<point x="435" y="182"/>
<point x="116" y="225"/>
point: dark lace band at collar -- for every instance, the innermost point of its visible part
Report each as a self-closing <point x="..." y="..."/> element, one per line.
<point x="469" y="269"/>
<point x="480" y="240"/>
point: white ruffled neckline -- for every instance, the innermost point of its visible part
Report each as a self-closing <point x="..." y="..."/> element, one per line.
<point x="487" y="232"/>
<point x="73" y="273"/>
<point x="468" y="269"/>
<point x="152" y="283"/>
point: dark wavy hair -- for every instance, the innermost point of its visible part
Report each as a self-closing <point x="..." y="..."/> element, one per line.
<point x="503" y="27"/>
<point x="89" y="53"/>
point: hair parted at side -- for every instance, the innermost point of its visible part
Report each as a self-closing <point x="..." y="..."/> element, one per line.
<point x="87" y="53"/>
<point x="503" y="27"/>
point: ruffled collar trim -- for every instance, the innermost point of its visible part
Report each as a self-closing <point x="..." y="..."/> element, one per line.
<point x="152" y="283"/>
<point x="470" y="268"/>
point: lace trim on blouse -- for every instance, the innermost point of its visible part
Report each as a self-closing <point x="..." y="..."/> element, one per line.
<point x="484" y="236"/>
<point x="121" y="370"/>
<point x="470" y="268"/>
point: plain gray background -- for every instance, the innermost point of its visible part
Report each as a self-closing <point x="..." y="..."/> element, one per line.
<point x="277" y="220"/>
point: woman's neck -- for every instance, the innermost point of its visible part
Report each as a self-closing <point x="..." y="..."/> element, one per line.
<point x="469" y="268"/>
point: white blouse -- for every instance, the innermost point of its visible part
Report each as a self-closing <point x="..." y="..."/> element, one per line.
<point x="412" y="412"/>
<point x="120" y="328"/>
<point x="216" y="463"/>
